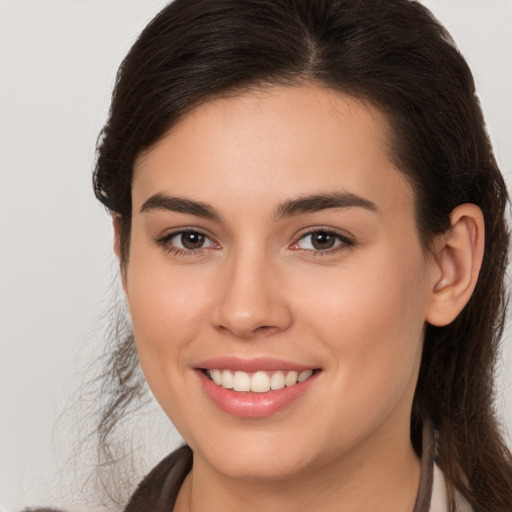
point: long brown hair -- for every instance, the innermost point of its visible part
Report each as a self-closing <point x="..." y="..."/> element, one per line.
<point x="394" y="54"/>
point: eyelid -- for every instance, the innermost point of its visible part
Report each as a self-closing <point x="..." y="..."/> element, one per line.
<point x="346" y="240"/>
<point x="164" y="241"/>
<point x="343" y="241"/>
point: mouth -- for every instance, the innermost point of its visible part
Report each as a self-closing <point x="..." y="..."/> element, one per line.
<point x="257" y="382"/>
<point x="255" y="388"/>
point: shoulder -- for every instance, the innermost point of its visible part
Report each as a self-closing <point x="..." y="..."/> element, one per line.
<point x="160" y="487"/>
<point x="433" y="492"/>
<point x="439" y="499"/>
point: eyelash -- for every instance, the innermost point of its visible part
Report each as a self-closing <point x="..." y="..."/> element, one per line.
<point x="165" y="243"/>
<point x="342" y="243"/>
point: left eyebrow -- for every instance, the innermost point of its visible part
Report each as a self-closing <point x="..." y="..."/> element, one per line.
<point x="319" y="202"/>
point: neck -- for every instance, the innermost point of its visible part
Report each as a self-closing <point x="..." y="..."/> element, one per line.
<point x="382" y="477"/>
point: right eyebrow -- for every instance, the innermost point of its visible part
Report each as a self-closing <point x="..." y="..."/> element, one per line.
<point x="179" y="204"/>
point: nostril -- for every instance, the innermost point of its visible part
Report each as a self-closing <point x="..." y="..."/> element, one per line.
<point x="247" y="319"/>
<point x="266" y="329"/>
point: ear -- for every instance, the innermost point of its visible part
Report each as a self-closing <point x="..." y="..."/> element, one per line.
<point x="117" y="222"/>
<point x="457" y="261"/>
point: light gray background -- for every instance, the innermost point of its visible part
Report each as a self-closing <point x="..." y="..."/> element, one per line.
<point x="58" y="60"/>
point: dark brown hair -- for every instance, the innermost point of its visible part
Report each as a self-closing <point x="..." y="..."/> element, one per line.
<point x="395" y="55"/>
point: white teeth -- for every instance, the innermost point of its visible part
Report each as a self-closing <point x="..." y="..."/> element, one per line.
<point x="258" y="382"/>
<point x="241" y="381"/>
<point x="291" y="378"/>
<point x="216" y="376"/>
<point x="277" y="381"/>
<point x="227" y="379"/>
<point x="304" y="375"/>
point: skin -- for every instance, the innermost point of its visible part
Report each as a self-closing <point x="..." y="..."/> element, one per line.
<point x="258" y="287"/>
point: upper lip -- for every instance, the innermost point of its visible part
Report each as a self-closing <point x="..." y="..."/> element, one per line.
<point x="251" y="365"/>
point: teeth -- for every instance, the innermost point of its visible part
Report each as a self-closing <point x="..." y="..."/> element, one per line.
<point x="227" y="379"/>
<point x="304" y="375"/>
<point x="216" y="376"/>
<point x="290" y="379"/>
<point x="241" y="382"/>
<point x="259" y="382"/>
<point x="277" y="381"/>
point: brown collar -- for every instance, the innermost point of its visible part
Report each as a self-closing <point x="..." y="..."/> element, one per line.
<point x="427" y="470"/>
<point x="159" y="489"/>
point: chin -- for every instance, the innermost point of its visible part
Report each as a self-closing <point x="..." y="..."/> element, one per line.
<point x="256" y="457"/>
<point x="265" y="467"/>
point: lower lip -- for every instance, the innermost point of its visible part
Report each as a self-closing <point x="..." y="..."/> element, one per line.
<point x="253" y="405"/>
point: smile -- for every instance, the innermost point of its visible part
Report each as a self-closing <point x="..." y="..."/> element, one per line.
<point x="255" y="388"/>
<point x="259" y="381"/>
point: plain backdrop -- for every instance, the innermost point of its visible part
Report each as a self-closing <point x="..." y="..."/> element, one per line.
<point x="58" y="60"/>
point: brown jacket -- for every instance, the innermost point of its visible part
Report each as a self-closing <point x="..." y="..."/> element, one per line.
<point x="159" y="490"/>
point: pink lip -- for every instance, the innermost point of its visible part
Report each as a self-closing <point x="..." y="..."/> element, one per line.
<point x="247" y="404"/>
<point x="251" y="365"/>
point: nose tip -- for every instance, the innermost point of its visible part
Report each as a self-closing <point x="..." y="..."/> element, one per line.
<point x="247" y="324"/>
<point x="251" y="303"/>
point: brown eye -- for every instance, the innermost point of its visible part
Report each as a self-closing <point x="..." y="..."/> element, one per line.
<point x="322" y="240"/>
<point x="192" y="240"/>
<point x="186" y="242"/>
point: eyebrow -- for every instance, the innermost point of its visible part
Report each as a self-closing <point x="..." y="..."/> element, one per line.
<point x="299" y="206"/>
<point x="319" y="202"/>
<point x="181" y="205"/>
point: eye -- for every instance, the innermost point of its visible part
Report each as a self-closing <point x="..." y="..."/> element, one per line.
<point x="185" y="241"/>
<point x="322" y="240"/>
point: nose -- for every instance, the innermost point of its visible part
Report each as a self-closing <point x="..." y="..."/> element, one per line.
<point x="251" y="298"/>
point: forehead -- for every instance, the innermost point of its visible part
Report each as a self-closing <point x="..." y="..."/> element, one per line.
<point x="274" y="142"/>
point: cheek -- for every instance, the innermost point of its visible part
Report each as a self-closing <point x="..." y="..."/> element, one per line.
<point x="379" y="296"/>
<point x="371" y="319"/>
<point x="166" y="317"/>
<point x="167" y="309"/>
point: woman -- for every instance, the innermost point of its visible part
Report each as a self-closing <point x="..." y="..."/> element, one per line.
<point x="310" y="227"/>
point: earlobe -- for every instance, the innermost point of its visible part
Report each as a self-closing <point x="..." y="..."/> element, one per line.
<point x="458" y="258"/>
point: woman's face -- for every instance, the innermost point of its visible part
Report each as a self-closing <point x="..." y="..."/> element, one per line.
<point x="271" y="234"/>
